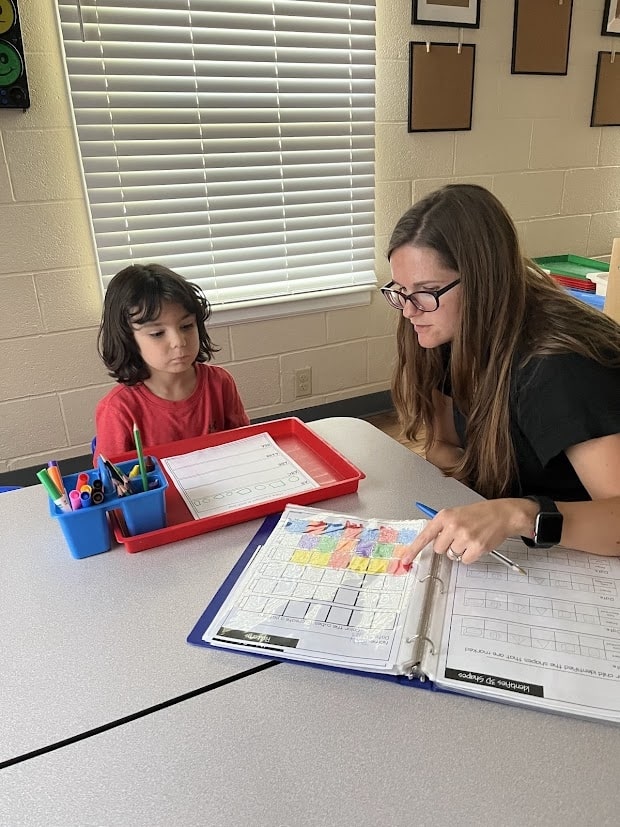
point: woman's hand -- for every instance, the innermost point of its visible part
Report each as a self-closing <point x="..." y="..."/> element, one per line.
<point x="473" y="530"/>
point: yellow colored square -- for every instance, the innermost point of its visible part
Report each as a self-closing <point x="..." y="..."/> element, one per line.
<point x="320" y="558"/>
<point x="301" y="557"/>
<point x="358" y="563"/>
<point x="378" y="565"/>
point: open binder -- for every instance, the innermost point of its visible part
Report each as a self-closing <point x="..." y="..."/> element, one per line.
<point x="330" y="590"/>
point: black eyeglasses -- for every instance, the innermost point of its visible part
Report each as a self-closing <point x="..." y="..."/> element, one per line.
<point x="425" y="300"/>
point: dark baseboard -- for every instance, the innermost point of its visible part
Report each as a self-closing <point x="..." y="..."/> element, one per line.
<point x="359" y="407"/>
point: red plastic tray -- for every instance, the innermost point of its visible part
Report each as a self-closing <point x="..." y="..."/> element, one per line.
<point x="335" y="475"/>
<point x="575" y="283"/>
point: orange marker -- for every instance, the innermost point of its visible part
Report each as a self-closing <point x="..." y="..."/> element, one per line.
<point x="54" y="472"/>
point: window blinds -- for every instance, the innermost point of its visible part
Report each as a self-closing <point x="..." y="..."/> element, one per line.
<point x="231" y="140"/>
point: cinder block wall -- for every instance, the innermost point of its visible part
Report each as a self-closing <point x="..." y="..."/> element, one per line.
<point x="530" y="143"/>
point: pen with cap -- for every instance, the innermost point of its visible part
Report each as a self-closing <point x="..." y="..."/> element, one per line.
<point x="430" y="512"/>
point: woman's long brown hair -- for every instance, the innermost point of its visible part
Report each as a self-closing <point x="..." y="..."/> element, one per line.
<point x="510" y="312"/>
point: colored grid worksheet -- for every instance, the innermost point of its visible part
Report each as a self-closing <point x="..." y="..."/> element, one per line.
<point x="324" y="588"/>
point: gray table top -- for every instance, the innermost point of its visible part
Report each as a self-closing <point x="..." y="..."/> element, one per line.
<point x="296" y="745"/>
<point x="93" y="640"/>
<point x="89" y="641"/>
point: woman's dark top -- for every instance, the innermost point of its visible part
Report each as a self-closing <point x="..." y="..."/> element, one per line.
<point x="555" y="401"/>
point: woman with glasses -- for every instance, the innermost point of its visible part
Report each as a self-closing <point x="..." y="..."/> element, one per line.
<point x="514" y="384"/>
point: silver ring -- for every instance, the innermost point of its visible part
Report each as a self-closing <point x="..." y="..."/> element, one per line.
<point x="452" y="556"/>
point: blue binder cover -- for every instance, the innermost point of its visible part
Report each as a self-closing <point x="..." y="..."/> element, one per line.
<point x="195" y="637"/>
<point x="534" y="685"/>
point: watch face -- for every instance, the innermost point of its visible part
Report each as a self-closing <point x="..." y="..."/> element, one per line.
<point x="549" y="528"/>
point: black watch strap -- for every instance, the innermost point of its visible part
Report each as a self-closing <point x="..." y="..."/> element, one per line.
<point x="548" y="526"/>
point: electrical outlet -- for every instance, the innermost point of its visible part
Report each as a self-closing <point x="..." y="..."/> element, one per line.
<point x="303" y="382"/>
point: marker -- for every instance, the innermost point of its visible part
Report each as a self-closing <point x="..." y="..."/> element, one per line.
<point x="74" y="499"/>
<point x="82" y="479"/>
<point x="85" y="498"/>
<point x="54" y="473"/>
<point x="97" y="497"/>
<point x="141" y="463"/>
<point x="97" y="485"/>
<point x="85" y="488"/>
<point x="430" y="512"/>
<point x="56" y="496"/>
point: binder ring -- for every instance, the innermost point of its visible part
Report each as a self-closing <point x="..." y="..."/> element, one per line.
<point x="434" y="577"/>
<point x="423" y="637"/>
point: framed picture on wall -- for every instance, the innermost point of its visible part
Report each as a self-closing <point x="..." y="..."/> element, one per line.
<point x="611" y="18"/>
<point x="462" y="13"/>
<point x="606" y="102"/>
<point x="541" y="37"/>
<point x="441" y="86"/>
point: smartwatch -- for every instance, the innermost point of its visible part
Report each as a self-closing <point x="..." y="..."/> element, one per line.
<point x="548" y="525"/>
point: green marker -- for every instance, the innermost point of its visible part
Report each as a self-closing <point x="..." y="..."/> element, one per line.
<point x="141" y="463"/>
<point x="56" y="496"/>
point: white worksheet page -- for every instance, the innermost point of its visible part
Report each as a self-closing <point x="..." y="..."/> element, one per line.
<point x="235" y="475"/>
<point x="325" y="588"/>
<point x="553" y="635"/>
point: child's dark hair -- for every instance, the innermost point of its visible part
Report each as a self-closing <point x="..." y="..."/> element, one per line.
<point x="135" y="296"/>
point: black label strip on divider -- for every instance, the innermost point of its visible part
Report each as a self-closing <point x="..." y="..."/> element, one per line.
<point x="258" y="639"/>
<point x="495" y="682"/>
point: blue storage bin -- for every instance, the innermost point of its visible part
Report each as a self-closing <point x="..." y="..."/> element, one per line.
<point x="145" y="510"/>
<point x="589" y="298"/>
<point x="87" y="530"/>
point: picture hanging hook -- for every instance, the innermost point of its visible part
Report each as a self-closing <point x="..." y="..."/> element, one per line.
<point x="460" y="41"/>
<point x="428" y="46"/>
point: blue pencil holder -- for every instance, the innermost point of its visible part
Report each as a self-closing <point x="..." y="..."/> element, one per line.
<point x="87" y="531"/>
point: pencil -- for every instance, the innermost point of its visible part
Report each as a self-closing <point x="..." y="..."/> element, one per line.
<point x="141" y="463"/>
<point x="430" y="512"/>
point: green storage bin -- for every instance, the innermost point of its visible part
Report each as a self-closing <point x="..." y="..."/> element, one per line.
<point x="569" y="265"/>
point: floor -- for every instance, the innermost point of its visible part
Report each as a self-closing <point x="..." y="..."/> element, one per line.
<point x="388" y="423"/>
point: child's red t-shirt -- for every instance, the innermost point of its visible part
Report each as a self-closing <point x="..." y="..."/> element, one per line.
<point x="214" y="405"/>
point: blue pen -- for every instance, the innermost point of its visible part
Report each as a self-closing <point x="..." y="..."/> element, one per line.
<point x="425" y="509"/>
<point x="430" y="512"/>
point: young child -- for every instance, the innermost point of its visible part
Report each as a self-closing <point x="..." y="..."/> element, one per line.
<point x="154" y="342"/>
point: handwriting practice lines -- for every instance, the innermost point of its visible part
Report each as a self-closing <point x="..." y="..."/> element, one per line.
<point x="235" y="475"/>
